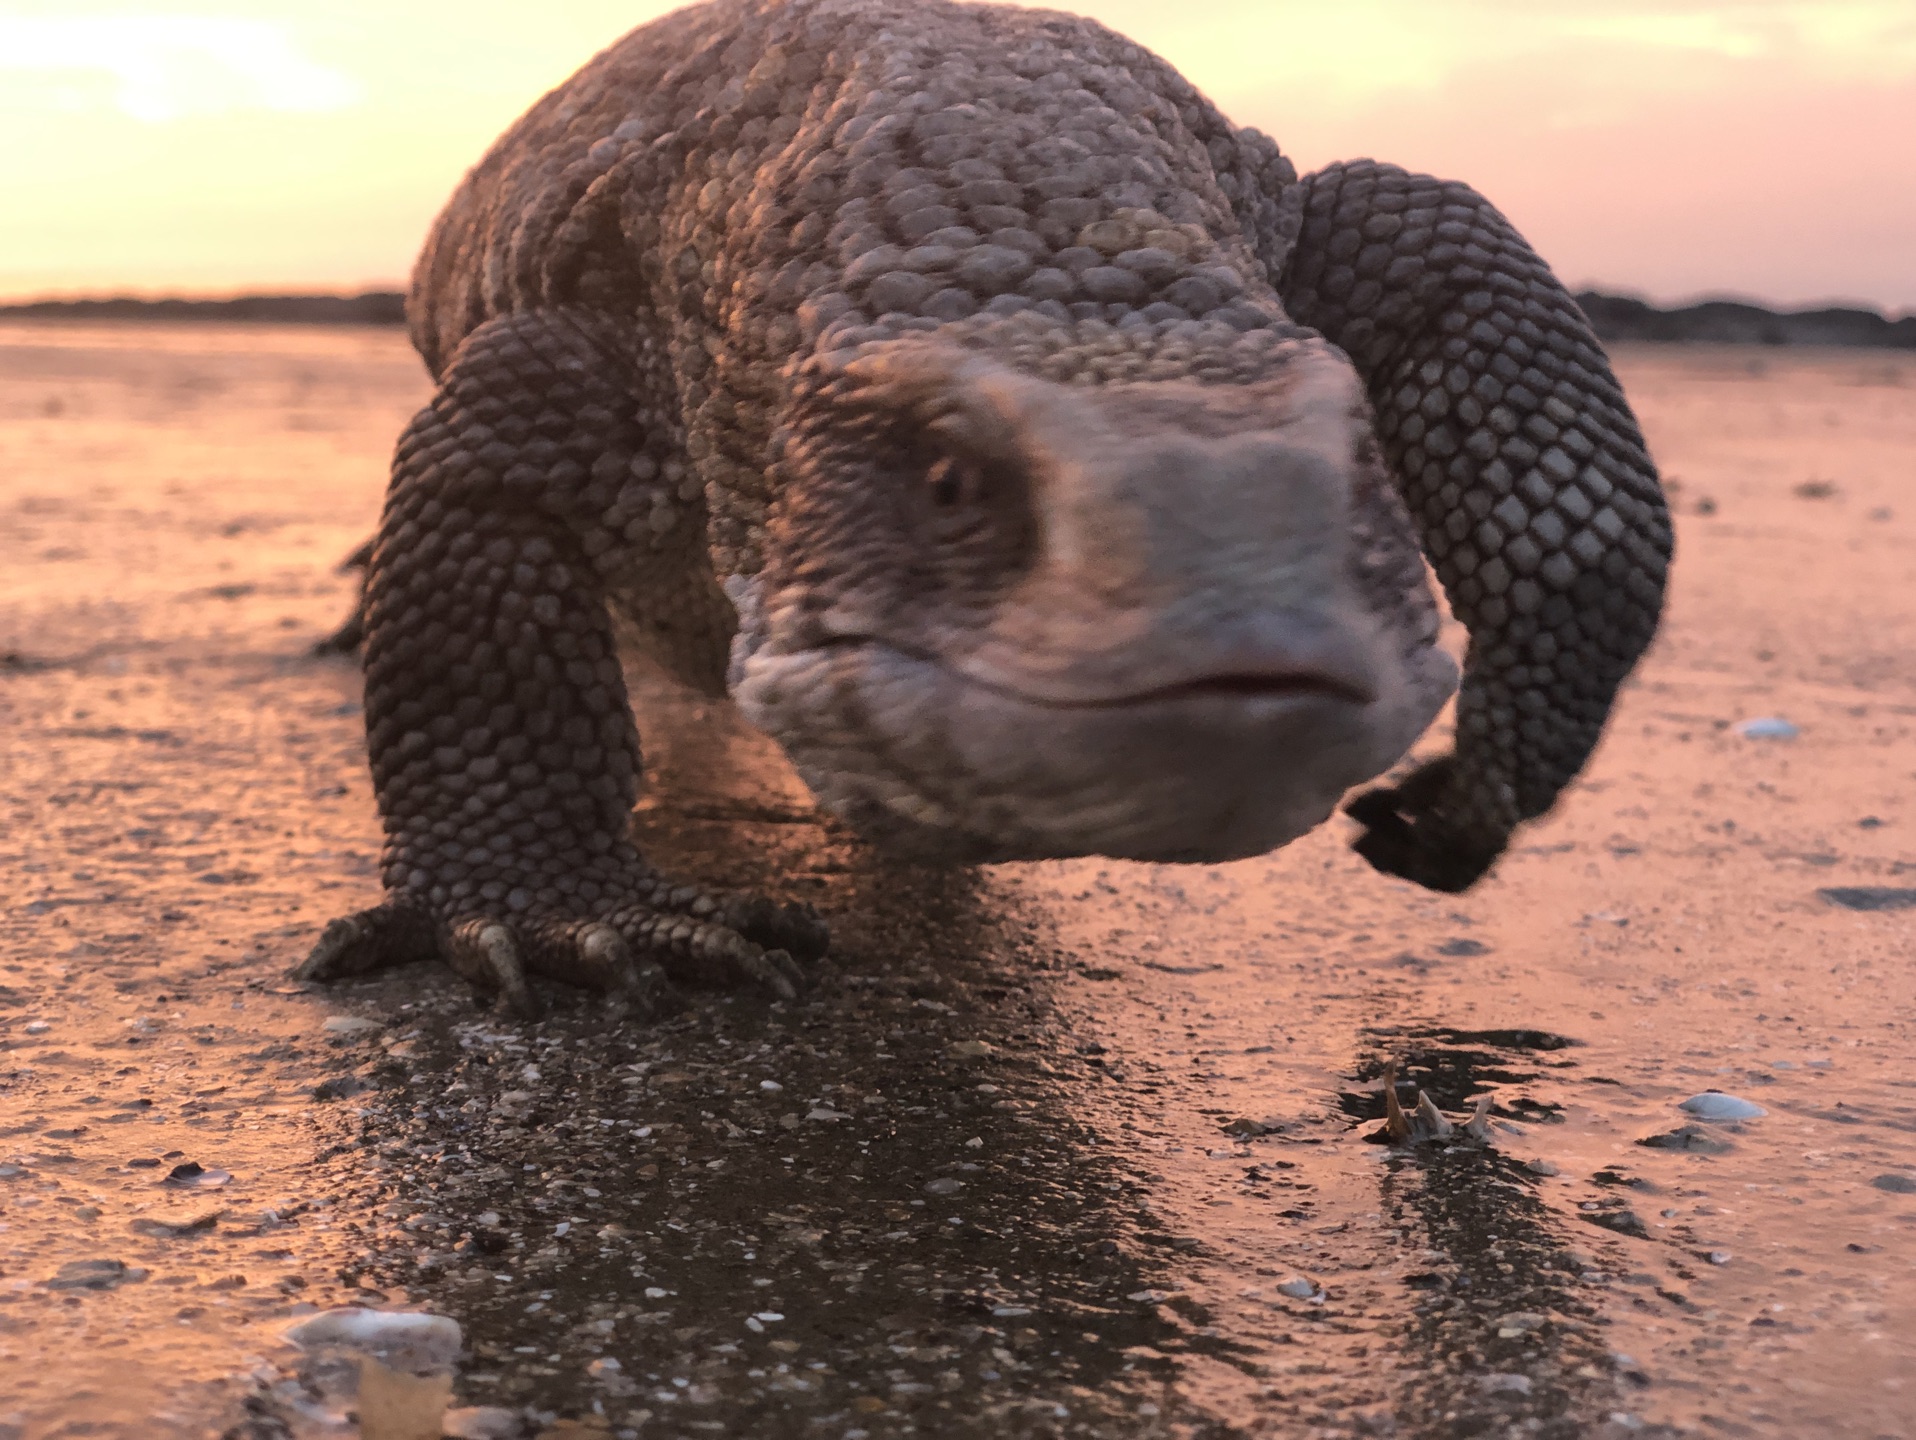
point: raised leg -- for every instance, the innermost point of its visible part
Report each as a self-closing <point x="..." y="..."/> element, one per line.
<point x="1525" y="471"/>
<point x="503" y="750"/>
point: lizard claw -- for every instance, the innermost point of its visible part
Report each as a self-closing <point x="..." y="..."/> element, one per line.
<point x="1415" y="830"/>
<point x="795" y="930"/>
<point x="376" y="939"/>
<point x="713" y="953"/>
<point x="485" y="952"/>
<point x="633" y="952"/>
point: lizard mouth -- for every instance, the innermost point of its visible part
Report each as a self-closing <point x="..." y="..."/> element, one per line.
<point x="1207" y="748"/>
<point x="1253" y="681"/>
<point x="1248" y="687"/>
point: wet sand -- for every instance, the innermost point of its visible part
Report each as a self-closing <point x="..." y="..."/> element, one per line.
<point x="1048" y="1149"/>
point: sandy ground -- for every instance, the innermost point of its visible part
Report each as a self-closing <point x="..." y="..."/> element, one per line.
<point x="1074" y="1149"/>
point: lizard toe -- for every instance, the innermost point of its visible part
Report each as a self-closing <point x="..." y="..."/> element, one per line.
<point x="376" y="939"/>
<point x="486" y="952"/>
<point x="595" y="956"/>
<point x="708" y="954"/>
<point x="798" y="930"/>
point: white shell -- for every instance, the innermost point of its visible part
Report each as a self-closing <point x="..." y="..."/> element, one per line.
<point x="1715" y="1105"/>
<point x="405" y="1339"/>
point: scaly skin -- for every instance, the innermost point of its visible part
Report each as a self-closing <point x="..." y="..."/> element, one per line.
<point x="1528" y="478"/>
<point x="973" y="380"/>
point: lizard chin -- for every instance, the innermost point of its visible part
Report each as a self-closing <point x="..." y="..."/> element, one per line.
<point x="938" y="765"/>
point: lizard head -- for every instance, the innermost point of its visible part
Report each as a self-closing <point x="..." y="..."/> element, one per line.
<point x="1156" y="602"/>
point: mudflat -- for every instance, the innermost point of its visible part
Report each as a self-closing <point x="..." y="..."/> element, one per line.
<point x="1073" y="1149"/>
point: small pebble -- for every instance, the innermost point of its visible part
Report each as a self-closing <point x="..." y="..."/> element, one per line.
<point x="1299" y="1289"/>
<point x="350" y="1025"/>
<point x="1768" y="727"/>
<point x="1506" y="1384"/>
<point x="194" y="1176"/>
<point x="1689" y="1137"/>
<point x="175" y="1229"/>
<point x="92" y="1275"/>
<point x="1715" y="1105"/>
<point x="482" y="1422"/>
<point x="945" y="1185"/>
<point x="1870" y="897"/>
<point x="968" y="1050"/>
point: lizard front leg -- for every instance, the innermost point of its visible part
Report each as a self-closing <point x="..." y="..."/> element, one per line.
<point x="503" y="749"/>
<point x="1526" y="474"/>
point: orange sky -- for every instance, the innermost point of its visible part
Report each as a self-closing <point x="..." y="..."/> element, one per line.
<point x="1669" y="147"/>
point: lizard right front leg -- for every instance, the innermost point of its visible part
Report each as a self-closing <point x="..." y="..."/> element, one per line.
<point x="504" y="754"/>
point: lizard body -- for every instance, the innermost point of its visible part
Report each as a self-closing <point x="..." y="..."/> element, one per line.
<point x="1027" y="448"/>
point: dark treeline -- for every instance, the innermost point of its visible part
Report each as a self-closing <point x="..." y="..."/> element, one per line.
<point x="1615" y="317"/>
<point x="1726" y="322"/>
<point x="375" y="307"/>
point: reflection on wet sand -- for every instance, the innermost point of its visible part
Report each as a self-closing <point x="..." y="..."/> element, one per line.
<point x="877" y="1203"/>
<point x="1072" y="1149"/>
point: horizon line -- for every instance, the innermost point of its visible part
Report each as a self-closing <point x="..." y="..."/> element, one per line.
<point x="13" y="302"/>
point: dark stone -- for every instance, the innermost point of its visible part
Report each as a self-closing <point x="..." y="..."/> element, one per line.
<point x="1870" y="897"/>
<point x="1693" y="1138"/>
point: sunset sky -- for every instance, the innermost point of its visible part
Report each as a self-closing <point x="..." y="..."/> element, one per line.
<point x="1672" y="148"/>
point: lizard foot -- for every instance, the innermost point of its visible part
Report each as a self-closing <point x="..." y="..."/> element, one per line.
<point x="631" y="951"/>
<point x="1422" y="831"/>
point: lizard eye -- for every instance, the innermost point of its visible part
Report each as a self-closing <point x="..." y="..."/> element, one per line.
<point x="953" y="483"/>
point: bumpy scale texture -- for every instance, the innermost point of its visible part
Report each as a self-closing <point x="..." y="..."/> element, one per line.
<point x="711" y="321"/>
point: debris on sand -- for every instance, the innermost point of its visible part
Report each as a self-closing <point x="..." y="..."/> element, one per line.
<point x="1768" y="727"/>
<point x="1427" y="1123"/>
<point x="405" y="1363"/>
<point x="403" y="1339"/>
<point x="92" y="1275"/>
<point x="192" y="1175"/>
<point x="1715" y="1105"/>
<point x="1245" y="1128"/>
<point x="174" y="1229"/>
<point x="482" y="1422"/>
<point x="398" y="1405"/>
<point x="1870" y="897"/>
<point x="1692" y="1138"/>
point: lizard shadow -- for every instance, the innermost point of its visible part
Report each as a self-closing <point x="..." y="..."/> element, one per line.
<point x="880" y="1196"/>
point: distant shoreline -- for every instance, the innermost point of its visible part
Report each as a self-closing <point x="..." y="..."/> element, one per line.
<point x="1615" y="317"/>
<point x="374" y="307"/>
